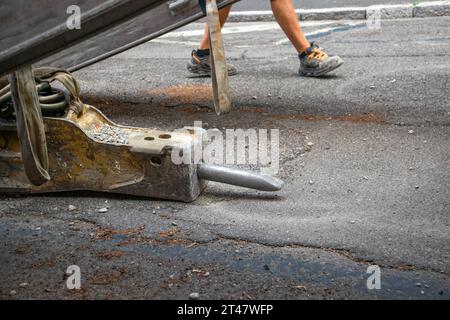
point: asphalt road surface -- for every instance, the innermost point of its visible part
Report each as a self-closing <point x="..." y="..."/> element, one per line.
<point x="364" y="153"/>
<point x="244" y="5"/>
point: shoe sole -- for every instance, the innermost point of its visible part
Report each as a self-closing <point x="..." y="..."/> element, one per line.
<point x="194" y="69"/>
<point x="199" y="72"/>
<point x="306" y="73"/>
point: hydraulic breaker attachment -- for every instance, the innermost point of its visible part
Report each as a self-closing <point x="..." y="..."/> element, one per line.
<point x="89" y="152"/>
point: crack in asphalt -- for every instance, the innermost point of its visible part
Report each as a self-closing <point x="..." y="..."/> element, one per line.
<point x="218" y="237"/>
<point x="341" y="252"/>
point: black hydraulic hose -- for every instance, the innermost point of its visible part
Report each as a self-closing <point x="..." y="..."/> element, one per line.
<point x="5" y="90"/>
<point x="51" y="100"/>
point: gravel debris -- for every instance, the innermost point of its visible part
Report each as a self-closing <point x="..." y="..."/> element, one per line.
<point x="72" y="208"/>
<point x="109" y="134"/>
<point x="194" y="296"/>
<point x="102" y="210"/>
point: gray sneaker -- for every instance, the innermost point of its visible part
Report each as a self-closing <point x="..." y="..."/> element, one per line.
<point x="315" y="62"/>
<point x="200" y="65"/>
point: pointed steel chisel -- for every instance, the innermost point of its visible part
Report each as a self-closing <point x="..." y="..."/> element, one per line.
<point x="238" y="177"/>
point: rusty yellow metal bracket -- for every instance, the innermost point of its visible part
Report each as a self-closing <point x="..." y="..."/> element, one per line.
<point x="89" y="152"/>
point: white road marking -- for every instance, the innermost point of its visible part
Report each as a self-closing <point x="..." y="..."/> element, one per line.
<point x="244" y="28"/>
<point x="225" y="30"/>
<point x="320" y="31"/>
<point x="167" y="41"/>
<point x="248" y="27"/>
<point x="297" y="11"/>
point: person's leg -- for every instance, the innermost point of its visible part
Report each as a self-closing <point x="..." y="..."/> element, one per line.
<point x="314" y="61"/>
<point x="284" y="13"/>
<point x="200" y="63"/>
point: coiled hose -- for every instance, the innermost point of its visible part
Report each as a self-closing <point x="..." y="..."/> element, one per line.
<point x="53" y="101"/>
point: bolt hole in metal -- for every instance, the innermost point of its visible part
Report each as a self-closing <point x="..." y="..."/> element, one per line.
<point x="165" y="136"/>
<point x="156" y="161"/>
<point x="149" y="139"/>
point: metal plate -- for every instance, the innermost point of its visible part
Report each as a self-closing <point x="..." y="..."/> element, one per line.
<point x="107" y="28"/>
